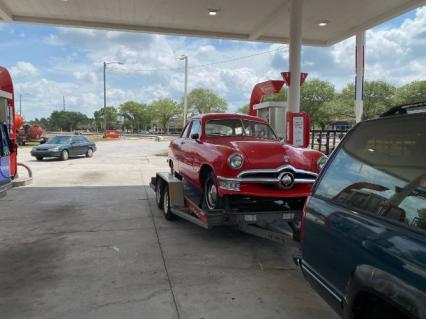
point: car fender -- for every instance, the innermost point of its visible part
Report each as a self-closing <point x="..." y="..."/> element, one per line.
<point x="369" y="279"/>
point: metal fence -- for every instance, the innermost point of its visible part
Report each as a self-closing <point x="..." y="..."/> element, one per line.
<point x="326" y="140"/>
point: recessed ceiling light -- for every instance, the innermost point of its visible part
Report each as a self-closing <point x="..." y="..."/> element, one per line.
<point x="213" y="12"/>
<point x="323" y="23"/>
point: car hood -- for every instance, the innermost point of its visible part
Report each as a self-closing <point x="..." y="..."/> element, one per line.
<point x="44" y="147"/>
<point x="271" y="154"/>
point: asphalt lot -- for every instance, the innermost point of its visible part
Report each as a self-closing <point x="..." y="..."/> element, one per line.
<point x="87" y="241"/>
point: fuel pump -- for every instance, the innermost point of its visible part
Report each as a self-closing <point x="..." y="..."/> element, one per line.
<point x="292" y="127"/>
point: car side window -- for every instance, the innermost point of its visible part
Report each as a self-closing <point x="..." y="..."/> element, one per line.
<point x="195" y="128"/>
<point x="74" y="139"/>
<point x="381" y="169"/>
<point x="186" y="130"/>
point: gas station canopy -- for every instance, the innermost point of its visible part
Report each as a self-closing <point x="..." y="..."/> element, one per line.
<point x="325" y="22"/>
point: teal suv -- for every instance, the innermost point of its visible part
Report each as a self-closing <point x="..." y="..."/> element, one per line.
<point x="364" y="226"/>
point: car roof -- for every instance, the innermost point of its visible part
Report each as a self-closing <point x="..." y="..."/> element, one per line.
<point x="216" y="116"/>
<point x="411" y="108"/>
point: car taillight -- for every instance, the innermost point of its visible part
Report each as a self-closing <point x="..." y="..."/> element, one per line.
<point x="302" y="223"/>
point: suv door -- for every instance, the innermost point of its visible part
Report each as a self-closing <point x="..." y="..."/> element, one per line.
<point x="368" y="209"/>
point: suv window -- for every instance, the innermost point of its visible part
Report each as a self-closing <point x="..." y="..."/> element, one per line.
<point x="195" y="128"/>
<point x="381" y="169"/>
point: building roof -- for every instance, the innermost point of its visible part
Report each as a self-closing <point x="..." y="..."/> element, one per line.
<point x="265" y="20"/>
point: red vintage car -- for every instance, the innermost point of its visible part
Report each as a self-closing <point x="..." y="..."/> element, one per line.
<point x="234" y="157"/>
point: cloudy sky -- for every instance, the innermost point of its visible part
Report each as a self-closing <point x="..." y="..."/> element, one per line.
<point x="49" y="62"/>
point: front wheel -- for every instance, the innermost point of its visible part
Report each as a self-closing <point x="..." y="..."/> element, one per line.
<point x="64" y="155"/>
<point x="211" y="198"/>
<point x="89" y="153"/>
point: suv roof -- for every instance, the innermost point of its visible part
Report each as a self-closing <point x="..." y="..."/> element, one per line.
<point x="410" y="108"/>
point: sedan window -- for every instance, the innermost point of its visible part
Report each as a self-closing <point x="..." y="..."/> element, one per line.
<point x="225" y="127"/>
<point x="60" y="140"/>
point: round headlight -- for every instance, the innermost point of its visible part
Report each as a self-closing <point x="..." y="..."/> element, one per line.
<point x="321" y="162"/>
<point x="235" y="161"/>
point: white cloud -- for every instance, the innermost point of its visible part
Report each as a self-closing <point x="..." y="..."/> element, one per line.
<point x="23" y="70"/>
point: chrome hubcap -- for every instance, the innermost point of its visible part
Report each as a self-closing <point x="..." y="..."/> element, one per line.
<point x="65" y="155"/>
<point x="212" y="196"/>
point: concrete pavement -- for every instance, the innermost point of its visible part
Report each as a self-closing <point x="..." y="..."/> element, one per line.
<point x="87" y="241"/>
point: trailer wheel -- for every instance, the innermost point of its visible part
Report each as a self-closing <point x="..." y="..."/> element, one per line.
<point x="159" y="193"/>
<point x="166" y="204"/>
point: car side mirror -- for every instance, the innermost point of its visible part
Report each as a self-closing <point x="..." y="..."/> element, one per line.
<point x="195" y="136"/>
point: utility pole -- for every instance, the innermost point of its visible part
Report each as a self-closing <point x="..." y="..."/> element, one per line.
<point x="185" y="97"/>
<point x="105" y="121"/>
<point x="105" y="66"/>
<point x="63" y="103"/>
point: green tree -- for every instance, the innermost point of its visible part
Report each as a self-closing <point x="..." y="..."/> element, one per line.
<point x="136" y="115"/>
<point x="314" y="96"/>
<point x="111" y="118"/>
<point x="163" y="111"/>
<point x="411" y="93"/>
<point x="378" y="97"/>
<point x="67" y="121"/>
<point x="244" y="109"/>
<point x="201" y="101"/>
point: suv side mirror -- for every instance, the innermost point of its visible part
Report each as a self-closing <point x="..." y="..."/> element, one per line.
<point x="195" y="136"/>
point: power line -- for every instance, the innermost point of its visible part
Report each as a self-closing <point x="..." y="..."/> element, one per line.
<point x="213" y="63"/>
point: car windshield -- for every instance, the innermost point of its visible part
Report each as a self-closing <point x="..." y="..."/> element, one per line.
<point x="60" y="140"/>
<point x="237" y="127"/>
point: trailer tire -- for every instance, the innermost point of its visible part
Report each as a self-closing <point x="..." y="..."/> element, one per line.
<point x="166" y="204"/>
<point x="159" y="193"/>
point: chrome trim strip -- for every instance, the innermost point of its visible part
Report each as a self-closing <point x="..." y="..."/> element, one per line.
<point x="265" y="180"/>
<point x="304" y="265"/>
<point x="277" y="170"/>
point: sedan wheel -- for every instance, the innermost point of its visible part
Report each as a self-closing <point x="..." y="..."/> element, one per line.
<point x="39" y="158"/>
<point x="211" y="196"/>
<point x="89" y="153"/>
<point x="64" y="155"/>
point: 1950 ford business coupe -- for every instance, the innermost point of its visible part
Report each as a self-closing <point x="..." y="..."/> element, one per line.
<point x="238" y="158"/>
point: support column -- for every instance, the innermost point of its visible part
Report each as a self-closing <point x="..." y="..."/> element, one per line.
<point x="359" y="78"/>
<point x="295" y="50"/>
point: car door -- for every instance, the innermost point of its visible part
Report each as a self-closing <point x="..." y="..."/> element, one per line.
<point x="176" y="150"/>
<point x="192" y="148"/>
<point x="185" y="158"/>
<point x="84" y="145"/>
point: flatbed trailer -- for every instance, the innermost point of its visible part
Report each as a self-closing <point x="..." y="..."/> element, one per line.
<point x="178" y="198"/>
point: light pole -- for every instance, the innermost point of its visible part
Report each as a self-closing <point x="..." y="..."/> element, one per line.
<point x="20" y="103"/>
<point x="105" y="66"/>
<point x="185" y="97"/>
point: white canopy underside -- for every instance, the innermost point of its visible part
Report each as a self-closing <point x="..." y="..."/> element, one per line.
<point x="265" y="20"/>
